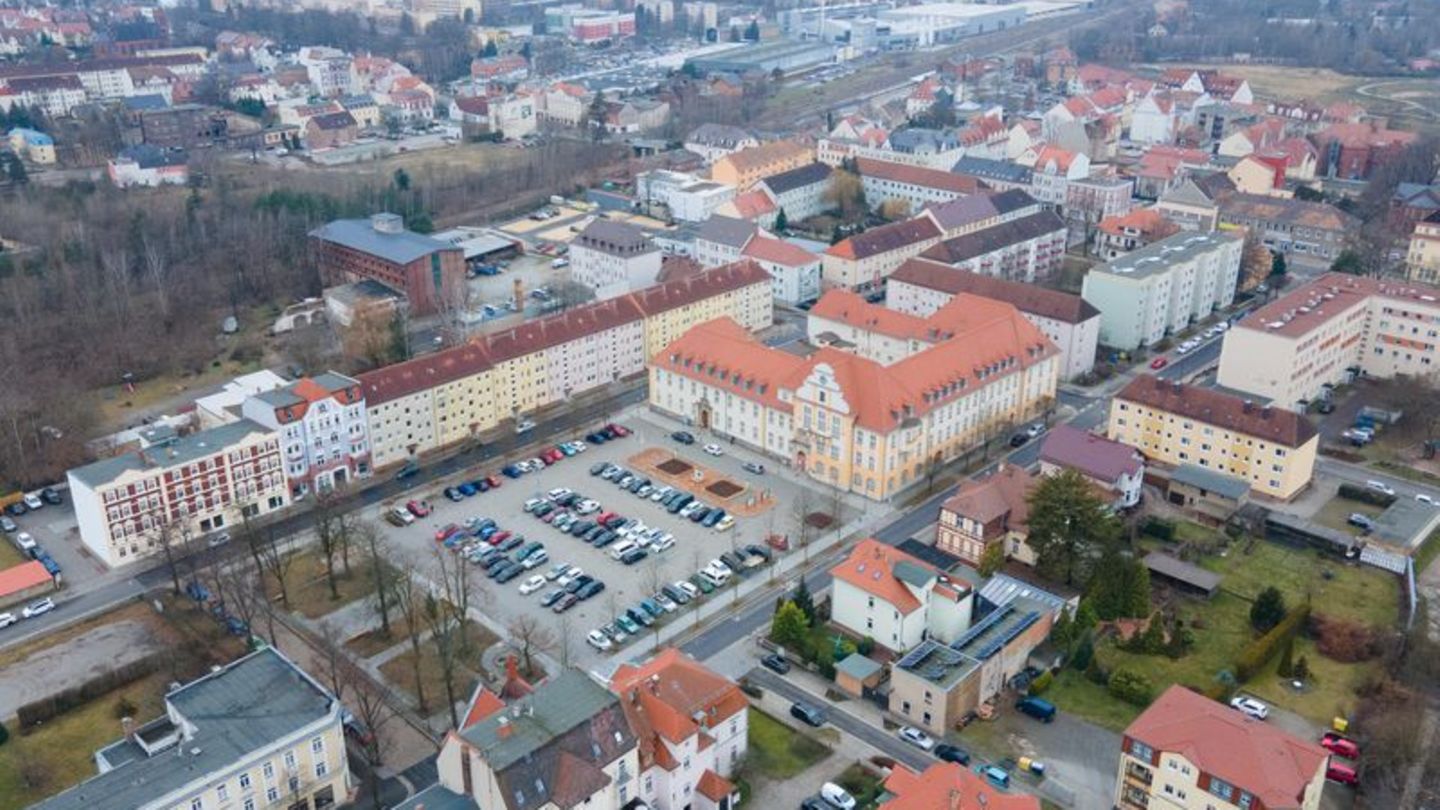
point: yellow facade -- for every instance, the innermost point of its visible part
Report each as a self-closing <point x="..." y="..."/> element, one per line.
<point x="1422" y="262"/>
<point x="1174" y="785"/>
<point x="1271" y="469"/>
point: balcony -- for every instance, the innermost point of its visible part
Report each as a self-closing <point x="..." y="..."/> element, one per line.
<point x="1138" y="775"/>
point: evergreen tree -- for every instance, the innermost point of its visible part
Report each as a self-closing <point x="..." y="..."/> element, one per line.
<point x="1302" y="669"/>
<point x="789" y="627"/>
<point x="1085" y="618"/>
<point x="752" y="31"/>
<point x="805" y="601"/>
<point x="1268" y="609"/>
<point x="1069" y="526"/>
<point x="1084" y="654"/>
<point x="491" y="49"/>
<point x="1286" y="667"/>
<point x="782" y="222"/>
<point x="1062" y="633"/>
<point x="992" y="560"/>
<point x="1277" y="265"/>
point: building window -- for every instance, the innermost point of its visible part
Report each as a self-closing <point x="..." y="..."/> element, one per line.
<point x="197" y="803"/>
<point x="222" y="791"/>
<point x="321" y="768"/>
<point x="269" y="770"/>
<point x="244" y="781"/>
<point x="317" y="745"/>
<point x="1140" y="750"/>
<point x="272" y="794"/>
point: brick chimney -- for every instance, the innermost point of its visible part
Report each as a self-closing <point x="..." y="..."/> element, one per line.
<point x="512" y="668"/>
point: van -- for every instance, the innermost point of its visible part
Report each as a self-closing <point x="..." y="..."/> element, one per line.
<point x="997" y="776"/>
<point x="622" y="548"/>
<point x="1042" y="710"/>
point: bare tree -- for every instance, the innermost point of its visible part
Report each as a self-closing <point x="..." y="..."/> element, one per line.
<point x="564" y="638"/>
<point x="373" y="705"/>
<point x="801" y="517"/>
<point x="167" y="536"/>
<point x="382" y="574"/>
<point x="275" y="563"/>
<point x="532" y="637"/>
<point x="329" y="530"/>
<point x="411" y="605"/>
<point x="243" y="594"/>
<point x="330" y="648"/>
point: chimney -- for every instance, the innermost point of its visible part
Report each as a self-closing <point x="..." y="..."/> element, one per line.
<point x="519" y="295"/>
<point x="1249" y="406"/>
<point x="504" y="729"/>
<point x="386" y="222"/>
<point x="127" y="725"/>
<point x="512" y="668"/>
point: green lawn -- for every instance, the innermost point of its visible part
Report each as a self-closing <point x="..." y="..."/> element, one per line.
<point x="863" y="785"/>
<point x="1427" y="553"/>
<point x="1357" y="592"/>
<point x="777" y="751"/>
<point x="1337" y="509"/>
<point x="1072" y="692"/>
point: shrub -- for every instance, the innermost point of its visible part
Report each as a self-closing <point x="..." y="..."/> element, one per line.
<point x="1131" y="687"/>
<point x="39" y="711"/>
<point x="1302" y="669"/>
<point x="1159" y="528"/>
<point x="124" y="707"/>
<point x="1287" y="660"/>
<point x="1041" y="683"/>
<point x="1365" y="495"/>
<point x="1084" y="653"/>
<point x="1267" y="610"/>
<point x="1096" y="673"/>
<point x="1255" y="655"/>
<point x="1342" y="640"/>
<point x="866" y="646"/>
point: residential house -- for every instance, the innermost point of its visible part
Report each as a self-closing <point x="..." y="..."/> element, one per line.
<point x="331" y="130"/>
<point x="1188" y="751"/>
<point x="686" y="197"/>
<point x="948" y="785"/>
<point x="1117" y="235"/>
<point x="1116" y="469"/>
<point x="1154" y="120"/>
<point x="755" y="205"/>
<point x="1162" y="168"/>
<point x="722" y="240"/>
<point x="565" y="104"/>
<point x="1088" y="201"/>
<point x="257" y="732"/>
<point x="613" y="258"/>
<point x="1272" y="448"/>
<point x="1411" y="203"/>
<point x="635" y="115"/>
<point x="1422" y="260"/>
<point x="749" y="166"/>
<point x="795" y="271"/>
<point x="920" y="287"/>
<point x="32" y="146"/>
<point x="1053" y="169"/>
<point x="148" y="166"/>
<point x="324" y="430"/>
<point x="1026" y="249"/>
<point x="882" y="593"/>
<point x="1162" y="288"/>
<point x="510" y="67"/>
<point x="1001" y="175"/>
<point x="976" y="212"/>
<point x="1261" y="175"/>
<point x="715" y="141"/>
<point x="986" y="512"/>
<point x="865" y="260"/>
<point x="1291" y="351"/>
<point x="1191" y="206"/>
<point x="130" y="506"/>
<point x="887" y="185"/>
<point x="801" y="193"/>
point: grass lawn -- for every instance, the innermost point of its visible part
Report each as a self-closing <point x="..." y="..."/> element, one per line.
<point x="309" y="588"/>
<point x="65" y="746"/>
<point x="777" y="751"/>
<point x="400" y="670"/>
<point x="10" y="556"/>
<point x="1353" y="591"/>
<point x="863" y="785"/>
<point x="373" y="642"/>
<point x="1427" y="553"/>
<point x="1337" y="509"/>
<point x="1072" y="692"/>
<point x="1403" y="470"/>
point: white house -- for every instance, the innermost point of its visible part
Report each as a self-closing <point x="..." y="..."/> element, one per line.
<point x="796" y="271"/>
<point x="1154" y="120"/>
<point x="323" y="428"/>
<point x="613" y="258"/>
<point x="1116" y="468"/>
<point x="898" y="600"/>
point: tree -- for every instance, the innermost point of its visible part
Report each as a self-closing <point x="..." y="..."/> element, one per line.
<point x="16" y="170"/>
<point x="331" y="530"/>
<point x="782" y="222"/>
<point x="1286" y="667"/>
<point x="1277" y="264"/>
<point x="752" y="31"/>
<point x="402" y="179"/>
<point x="734" y="33"/>
<point x="1349" y="261"/>
<point x="1302" y="669"/>
<point x="805" y="601"/>
<point x="411" y="604"/>
<point x="448" y="637"/>
<point x="532" y="637"/>
<point x="1120" y="587"/>
<point x="992" y="560"/>
<point x="789" y="628"/>
<point x="1069" y="527"/>
<point x="1267" y="610"/>
<point x="1131" y="687"/>
<point x="382" y="575"/>
<point x="846" y="194"/>
<point x="1084" y="652"/>
<point x="166" y="535"/>
<point x="895" y="209"/>
<point x="491" y="50"/>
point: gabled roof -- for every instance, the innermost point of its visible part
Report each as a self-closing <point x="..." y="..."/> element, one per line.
<point x="949" y="786"/>
<point x="1003" y="495"/>
<point x="1148" y="222"/>
<point x="728" y="231"/>
<point x="671" y="698"/>
<point x="871" y="567"/>
<point x="918" y="176"/>
<point x="995" y="237"/>
<point x="1211" y="480"/>
<point x="1094" y="456"/>
<point x="885" y="238"/>
<point x="1220" y="409"/>
<point x="1028" y="298"/>
<point x="969" y="210"/>
<point x="807" y="175"/>
<point x="778" y="251"/>
<point x="990" y="169"/>
<point x="1252" y="755"/>
<point x="23" y="577"/>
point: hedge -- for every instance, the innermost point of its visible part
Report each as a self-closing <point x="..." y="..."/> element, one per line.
<point x="1366" y="495"/>
<point x="1131" y="687"/>
<point x="1041" y="683"/>
<point x="1255" y="655"/>
<point x="1159" y="528"/>
<point x="39" y="711"/>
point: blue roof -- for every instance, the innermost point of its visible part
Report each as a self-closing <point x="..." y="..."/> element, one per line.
<point x="400" y="247"/>
<point x="33" y="137"/>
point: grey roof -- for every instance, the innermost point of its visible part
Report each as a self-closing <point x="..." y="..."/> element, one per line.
<point x="149" y="156"/>
<point x="719" y="135"/>
<point x="806" y="175"/>
<point x="729" y="231"/>
<point x="988" y="169"/>
<point x="1227" y="486"/>
<point x="552" y="745"/>
<point x="281" y="397"/>
<point x="181" y="451"/>
<point x="973" y="208"/>
<point x="149" y="101"/>
<point x="1181" y="571"/>
<point x="437" y="797"/>
<point x="1159" y="257"/>
<point x="615" y="238"/>
<point x="363" y="291"/>
<point x="358" y="234"/>
<point x="858" y="666"/>
<point x="995" y="237"/>
<point x="912" y="574"/>
<point x="236" y="713"/>
<point x="1406" y="523"/>
<point x="1002" y="588"/>
<point x="921" y="141"/>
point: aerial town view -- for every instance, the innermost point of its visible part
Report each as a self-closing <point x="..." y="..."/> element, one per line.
<point x="720" y="404"/>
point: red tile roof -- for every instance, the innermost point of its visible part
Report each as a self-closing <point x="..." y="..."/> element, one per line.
<point x="843" y="306"/>
<point x="714" y="787"/>
<point x="949" y="786"/>
<point x="1259" y="758"/>
<point x="671" y="698"/>
<point x="778" y="251"/>
<point x="870" y="567"/>
<point x="1150" y="223"/>
<point x="1091" y="455"/>
<point x="23" y="577"/>
<point x="1223" y="410"/>
<point x="918" y="176"/>
<point x="1003" y="495"/>
<point x="1027" y="298"/>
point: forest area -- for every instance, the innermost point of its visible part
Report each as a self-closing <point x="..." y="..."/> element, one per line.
<point x="113" y="283"/>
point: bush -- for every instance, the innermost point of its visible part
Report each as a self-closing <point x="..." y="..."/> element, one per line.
<point x="1084" y="653"/>
<point x="1255" y="655"/>
<point x="1267" y="610"/>
<point x="1159" y="528"/>
<point x="1286" y="667"/>
<point x="1365" y="495"/>
<point x="1096" y="673"/>
<point x="1302" y="669"/>
<point x="866" y="646"/>
<point x="1131" y="687"/>
<point x="1041" y="683"/>
<point x="40" y="711"/>
<point x="1342" y="640"/>
<point x="124" y="707"/>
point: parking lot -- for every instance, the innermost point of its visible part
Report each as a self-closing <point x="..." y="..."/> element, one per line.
<point x="54" y="530"/>
<point x="625" y="585"/>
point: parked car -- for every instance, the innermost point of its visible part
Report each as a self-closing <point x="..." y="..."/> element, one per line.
<point x="38" y="608"/>
<point x="7" y="525"/>
<point x="1250" y="706"/>
<point x="598" y="640"/>
<point x="714" y="450"/>
<point x="1340" y="745"/>
<point x="1378" y="486"/>
<point x="532" y="585"/>
<point x="952" y="753"/>
<point x="837" y="797"/>
<point x="1042" y="710"/>
<point x="33" y="502"/>
<point x="1360" y="520"/>
<point x="1159" y="363"/>
<point x="418" y="508"/>
<point x="7" y="619"/>
<point x="564" y="603"/>
<point x="51" y="496"/>
<point x="1019" y="440"/>
<point x="1342" y="773"/>
<point x="917" y="738"/>
<point x="807" y="714"/>
<point x="682" y="437"/>
<point x="775" y="662"/>
<point x="753" y="467"/>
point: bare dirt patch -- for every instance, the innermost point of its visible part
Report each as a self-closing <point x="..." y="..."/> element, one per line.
<point x="819" y="520"/>
<point x="674" y="467"/>
<point x="738" y="497"/>
<point x="725" y="489"/>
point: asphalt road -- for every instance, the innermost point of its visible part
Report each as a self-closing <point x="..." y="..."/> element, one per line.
<point x="1184" y="366"/>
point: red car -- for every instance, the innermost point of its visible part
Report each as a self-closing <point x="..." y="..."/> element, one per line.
<point x="1340" y="745"/>
<point x="499" y="537"/>
<point x="418" y="508"/>
<point x="618" y="430"/>
<point x="449" y="529"/>
<point x="1159" y="363"/>
<point x="493" y="481"/>
<point x="604" y="518"/>
<point x="1344" y="774"/>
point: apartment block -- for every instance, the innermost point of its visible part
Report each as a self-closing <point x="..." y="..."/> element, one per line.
<point x="914" y="186"/>
<point x="1422" y="260"/>
<point x="1292" y="350"/>
<point x="1174" y="424"/>
<point x="174" y="488"/>
<point x="323" y="428"/>
<point x="1307" y="232"/>
<point x="856" y="414"/>
<point x="613" y="258"/>
<point x="1027" y="249"/>
<point x="865" y="260"/>
<point x="256" y="733"/>
<point x="920" y="287"/>
<point x="453" y="395"/>
<point x="1163" y="287"/>
<point x="749" y="166"/>
<point x="1189" y="752"/>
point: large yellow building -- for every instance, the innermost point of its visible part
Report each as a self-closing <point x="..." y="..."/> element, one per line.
<point x="869" y="426"/>
<point x="1172" y="423"/>
<point x="453" y="395"/>
<point x="747" y="167"/>
<point x="1188" y="752"/>
<point x="1422" y="262"/>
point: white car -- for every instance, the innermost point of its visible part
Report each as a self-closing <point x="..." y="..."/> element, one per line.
<point x="403" y="515"/>
<point x="691" y="508"/>
<point x="569" y="576"/>
<point x="598" y="640"/>
<point x="725" y="523"/>
<point x="661" y="492"/>
<point x="664" y="542"/>
<point x="688" y="588"/>
<point x="714" y="450"/>
<point x="525" y="426"/>
<point x="917" y="738"/>
<point x="36" y="608"/>
<point x="25" y="542"/>
<point x="531" y="504"/>
<point x="7" y="619"/>
<point x="216" y="540"/>
<point x="1423" y="498"/>
<point x="557" y="572"/>
<point x="1250" y="707"/>
<point x="532" y="585"/>
<point x="587" y="507"/>
<point x="1035" y="430"/>
<point x="557" y="493"/>
<point x="837" y="797"/>
<point x="33" y="502"/>
<point x="1380" y="486"/>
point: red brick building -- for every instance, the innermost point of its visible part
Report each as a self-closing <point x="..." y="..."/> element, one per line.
<point x="1352" y="151"/>
<point x="425" y="270"/>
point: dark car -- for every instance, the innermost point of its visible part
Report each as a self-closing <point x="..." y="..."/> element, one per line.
<point x="682" y="437"/>
<point x="1042" y="710"/>
<point x="579" y="582"/>
<point x="467" y="489"/>
<point x="565" y="603"/>
<point x="640" y="617"/>
<point x="700" y="514"/>
<point x="714" y="516"/>
<point x="735" y="561"/>
<point x="599" y="467"/>
<point x="775" y="662"/>
<point x="760" y="551"/>
<point x="581" y="527"/>
<point x="595" y="532"/>
<point x="676" y="595"/>
<point x="814" y="802"/>
<point x="1019" y="440"/>
<point x="17" y="508"/>
<point x="498" y="566"/>
<point x="511" y="471"/>
<point x="511" y="543"/>
<point x="510" y="572"/>
<point x="552" y="597"/>
<point x="952" y="753"/>
<point x="634" y="555"/>
<point x="590" y="589"/>
<point x="606" y="538"/>
<point x="51" y="496"/>
<point x="807" y="714"/>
